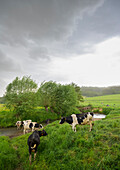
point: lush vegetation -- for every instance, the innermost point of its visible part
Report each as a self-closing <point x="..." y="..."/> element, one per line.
<point x="62" y="148"/>
<point x="23" y="96"/>
<point x="9" y="118"/>
<point x="61" y="99"/>
<point x="65" y="149"/>
<point x="2" y="100"/>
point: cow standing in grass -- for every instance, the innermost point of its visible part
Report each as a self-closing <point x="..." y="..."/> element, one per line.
<point x="81" y="119"/>
<point x="34" y="141"/>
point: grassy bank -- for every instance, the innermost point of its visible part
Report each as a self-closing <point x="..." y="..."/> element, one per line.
<point x="112" y="101"/>
<point x="65" y="149"/>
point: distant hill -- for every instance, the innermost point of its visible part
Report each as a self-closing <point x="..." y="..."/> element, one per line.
<point x="99" y="91"/>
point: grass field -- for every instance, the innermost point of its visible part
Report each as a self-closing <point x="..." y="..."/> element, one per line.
<point x="64" y="149"/>
<point x="103" y="101"/>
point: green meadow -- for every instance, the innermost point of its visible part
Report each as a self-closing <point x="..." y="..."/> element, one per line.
<point x="63" y="149"/>
<point x="103" y="101"/>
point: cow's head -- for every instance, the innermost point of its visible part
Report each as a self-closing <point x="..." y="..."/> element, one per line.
<point x="62" y="120"/>
<point x="42" y="133"/>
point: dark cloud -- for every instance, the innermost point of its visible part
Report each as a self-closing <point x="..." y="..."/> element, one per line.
<point x="48" y="24"/>
<point x="95" y="28"/>
<point x="41" y="20"/>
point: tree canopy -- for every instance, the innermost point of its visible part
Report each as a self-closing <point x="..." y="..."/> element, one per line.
<point x="20" y="95"/>
<point x="59" y="98"/>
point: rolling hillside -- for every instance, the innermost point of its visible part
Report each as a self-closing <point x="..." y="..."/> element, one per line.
<point x="102" y="101"/>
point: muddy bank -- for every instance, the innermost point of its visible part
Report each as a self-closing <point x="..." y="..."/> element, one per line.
<point x="12" y="131"/>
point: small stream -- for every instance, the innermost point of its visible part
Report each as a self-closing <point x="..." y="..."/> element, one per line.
<point x="13" y="132"/>
<point x="99" y="116"/>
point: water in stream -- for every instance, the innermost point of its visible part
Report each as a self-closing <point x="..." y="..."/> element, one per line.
<point x="10" y="131"/>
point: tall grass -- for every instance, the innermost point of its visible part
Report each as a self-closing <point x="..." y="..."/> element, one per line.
<point x="8" y="154"/>
<point x="64" y="149"/>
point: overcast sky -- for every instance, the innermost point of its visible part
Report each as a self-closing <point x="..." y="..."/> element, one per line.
<point x="60" y="40"/>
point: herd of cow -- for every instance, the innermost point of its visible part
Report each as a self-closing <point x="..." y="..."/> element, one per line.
<point x="34" y="138"/>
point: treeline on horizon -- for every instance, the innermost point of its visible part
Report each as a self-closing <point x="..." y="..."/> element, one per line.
<point x="99" y="91"/>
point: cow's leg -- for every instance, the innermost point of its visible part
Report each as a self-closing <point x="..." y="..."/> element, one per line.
<point x="90" y="126"/>
<point x="74" y="128"/>
<point x="34" y="156"/>
<point x="35" y="152"/>
<point x="30" y="158"/>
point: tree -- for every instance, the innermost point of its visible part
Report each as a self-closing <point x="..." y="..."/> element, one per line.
<point x="46" y="94"/>
<point x="21" y="95"/>
<point x="59" y="98"/>
<point x="78" y="91"/>
<point x="65" y="99"/>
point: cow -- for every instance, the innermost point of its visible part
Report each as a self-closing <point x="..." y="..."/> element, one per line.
<point x="75" y="119"/>
<point x="26" y="125"/>
<point x="26" y="121"/>
<point x="35" y="126"/>
<point x="34" y="141"/>
<point x="18" y="124"/>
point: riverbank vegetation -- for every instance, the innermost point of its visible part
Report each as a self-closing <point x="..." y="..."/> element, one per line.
<point x="65" y="149"/>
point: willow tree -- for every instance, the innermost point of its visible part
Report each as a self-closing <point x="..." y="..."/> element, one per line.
<point x="46" y="94"/>
<point x="59" y="98"/>
<point x="21" y="95"/>
<point x="65" y="99"/>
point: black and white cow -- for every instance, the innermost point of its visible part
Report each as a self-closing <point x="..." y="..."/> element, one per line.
<point x="35" y="126"/>
<point x="75" y="119"/>
<point x="34" y="141"/>
<point x="18" y="124"/>
<point x="26" y="125"/>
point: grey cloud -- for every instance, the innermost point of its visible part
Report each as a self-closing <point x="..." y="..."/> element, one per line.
<point x="42" y="20"/>
<point x="50" y="24"/>
<point x="7" y="64"/>
<point x="34" y="33"/>
<point x="39" y="53"/>
<point x="96" y="28"/>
